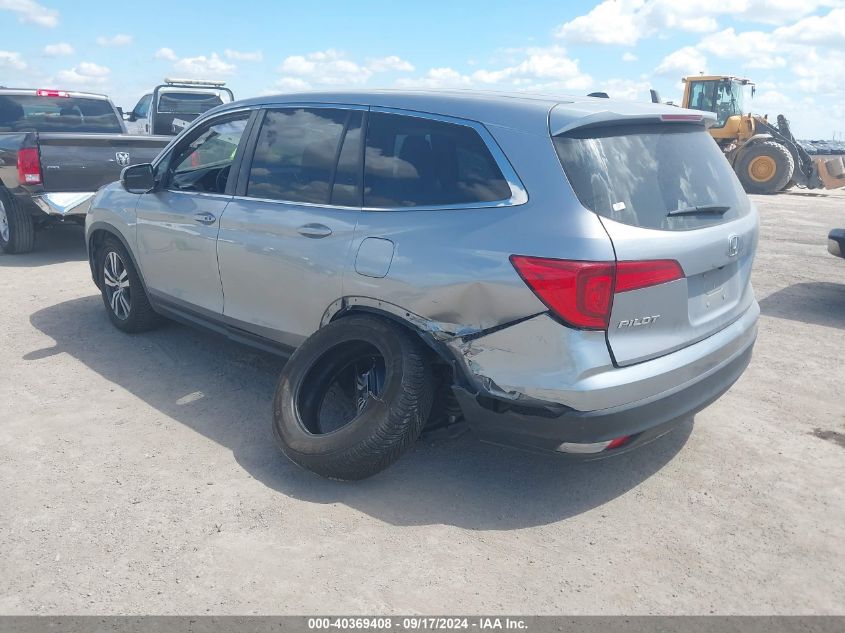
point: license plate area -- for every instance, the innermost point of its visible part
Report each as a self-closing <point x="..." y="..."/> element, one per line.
<point x="712" y="293"/>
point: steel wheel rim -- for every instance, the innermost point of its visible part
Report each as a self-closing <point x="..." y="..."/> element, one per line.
<point x="762" y="168"/>
<point x="116" y="280"/>
<point x="4" y="223"/>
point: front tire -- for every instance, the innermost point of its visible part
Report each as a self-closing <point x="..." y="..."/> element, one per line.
<point x="17" y="230"/>
<point x="123" y="293"/>
<point x="353" y="398"/>
<point x="765" y="167"/>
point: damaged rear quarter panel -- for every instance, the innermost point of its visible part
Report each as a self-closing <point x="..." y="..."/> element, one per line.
<point x="451" y="266"/>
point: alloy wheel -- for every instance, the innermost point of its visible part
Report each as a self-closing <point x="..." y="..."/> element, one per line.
<point x="116" y="280"/>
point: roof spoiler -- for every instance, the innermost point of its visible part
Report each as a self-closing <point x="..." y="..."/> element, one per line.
<point x="608" y="118"/>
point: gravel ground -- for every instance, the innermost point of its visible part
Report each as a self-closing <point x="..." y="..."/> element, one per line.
<point x="141" y="476"/>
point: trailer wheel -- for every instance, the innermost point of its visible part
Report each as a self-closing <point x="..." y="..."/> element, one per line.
<point x="17" y="230"/>
<point x="765" y="167"/>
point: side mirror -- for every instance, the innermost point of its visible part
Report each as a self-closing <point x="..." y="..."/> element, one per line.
<point x="138" y="178"/>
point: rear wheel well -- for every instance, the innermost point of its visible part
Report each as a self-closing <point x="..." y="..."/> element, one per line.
<point x="447" y="371"/>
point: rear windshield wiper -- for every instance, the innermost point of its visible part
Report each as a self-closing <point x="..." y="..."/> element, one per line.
<point x="716" y="209"/>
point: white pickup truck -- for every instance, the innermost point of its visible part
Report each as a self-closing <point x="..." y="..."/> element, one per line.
<point x="171" y="106"/>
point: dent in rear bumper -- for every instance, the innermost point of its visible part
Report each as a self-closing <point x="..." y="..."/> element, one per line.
<point x="64" y="204"/>
<point x="542" y="361"/>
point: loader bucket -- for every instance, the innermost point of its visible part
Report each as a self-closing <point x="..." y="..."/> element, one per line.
<point x="831" y="171"/>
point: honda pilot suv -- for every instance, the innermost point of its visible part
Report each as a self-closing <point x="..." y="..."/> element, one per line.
<point x="566" y="274"/>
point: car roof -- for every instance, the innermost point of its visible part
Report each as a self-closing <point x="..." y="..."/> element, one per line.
<point x="526" y="112"/>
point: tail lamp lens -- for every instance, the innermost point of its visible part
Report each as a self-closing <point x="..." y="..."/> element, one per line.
<point x="581" y="293"/>
<point x="29" y="166"/>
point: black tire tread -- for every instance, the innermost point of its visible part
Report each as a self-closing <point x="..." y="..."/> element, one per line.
<point x="21" y="226"/>
<point x="782" y="156"/>
<point x="142" y="316"/>
<point x="399" y="430"/>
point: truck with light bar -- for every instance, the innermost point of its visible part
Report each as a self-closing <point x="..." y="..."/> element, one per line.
<point x="57" y="148"/>
<point x="169" y="108"/>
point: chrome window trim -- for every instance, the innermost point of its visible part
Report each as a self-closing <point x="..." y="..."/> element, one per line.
<point x="519" y="195"/>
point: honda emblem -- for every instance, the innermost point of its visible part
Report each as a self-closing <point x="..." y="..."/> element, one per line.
<point x="733" y="246"/>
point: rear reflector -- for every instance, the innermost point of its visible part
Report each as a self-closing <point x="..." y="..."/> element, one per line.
<point x="44" y="92"/>
<point x="595" y="447"/>
<point x="29" y="166"/>
<point x="581" y="293"/>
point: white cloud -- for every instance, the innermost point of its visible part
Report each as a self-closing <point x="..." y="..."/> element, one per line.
<point x="292" y="84"/>
<point x="31" y="12"/>
<point x="204" y="67"/>
<point x="334" y="68"/>
<point x="121" y="39"/>
<point x="328" y="67"/>
<point x="629" y="57"/>
<point x="60" y="49"/>
<point x="244" y="56"/>
<point x="547" y="69"/>
<point x="392" y="62"/>
<point x="684" y="61"/>
<point x="625" y="22"/>
<point x="11" y="60"/>
<point x="816" y="30"/>
<point x="166" y="53"/>
<point x="84" y="75"/>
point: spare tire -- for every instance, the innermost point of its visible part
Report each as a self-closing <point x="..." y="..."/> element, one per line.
<point x="353" y="397"/>
<point x="765" y="167"/>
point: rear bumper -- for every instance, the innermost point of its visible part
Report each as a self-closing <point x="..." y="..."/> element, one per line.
<point x="62" y="205"/>
<point x="836" y="242"/>
<point x="642" y="400"/>
<point x="546" y="429"/>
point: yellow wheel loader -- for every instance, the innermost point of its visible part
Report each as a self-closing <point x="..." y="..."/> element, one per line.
<point x="766" y="157"/>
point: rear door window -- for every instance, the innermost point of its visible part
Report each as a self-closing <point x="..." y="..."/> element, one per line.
<point x="296" y="156"/>
<point x="652" y="176"/>
<point x="20" y="113"/>
<point x="415" y="161"/>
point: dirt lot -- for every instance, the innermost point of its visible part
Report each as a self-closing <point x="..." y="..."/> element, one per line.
<point x="140" y="476"/>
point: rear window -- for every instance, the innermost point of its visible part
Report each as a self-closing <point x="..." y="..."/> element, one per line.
<point x="637" y="175"/>
<point x="20" y="113"/>
<point x="187" y="102"/>
<point x="412" y="161"/>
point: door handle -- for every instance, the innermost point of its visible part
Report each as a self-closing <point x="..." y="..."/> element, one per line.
<point x="205" y="218"/>
<point x="314" y="230"/>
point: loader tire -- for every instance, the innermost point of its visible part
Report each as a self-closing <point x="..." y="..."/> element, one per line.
<point x="765" y="168"/>
<point x="17" y="230"/>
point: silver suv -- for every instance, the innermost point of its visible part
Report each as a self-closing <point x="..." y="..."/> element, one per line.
<point x="566" y="274"/>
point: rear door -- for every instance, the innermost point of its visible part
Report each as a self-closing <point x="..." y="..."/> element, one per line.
<point x="285" y="238"/>
<point x="664" y="191"/>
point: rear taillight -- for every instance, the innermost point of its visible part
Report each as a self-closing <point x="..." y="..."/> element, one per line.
<point x="581" y="293"/>
<point x="29" y="166"/>
<point x="636" y="275"/>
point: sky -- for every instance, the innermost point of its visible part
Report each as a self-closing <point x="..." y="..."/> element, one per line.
<point x="793" y="49"/>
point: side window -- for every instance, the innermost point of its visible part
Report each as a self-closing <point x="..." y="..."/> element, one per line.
<point x="204" y="163"/>
<point x="297" y="152"/>
<point x="414" y="161"/>
<point x="143" y="107"/>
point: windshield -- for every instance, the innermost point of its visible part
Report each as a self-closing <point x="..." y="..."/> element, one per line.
<point x="19" y="113"/>
<point x="188" y="102"/>
<point x="724" y="97"/>
<point x="638" y="174"/>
